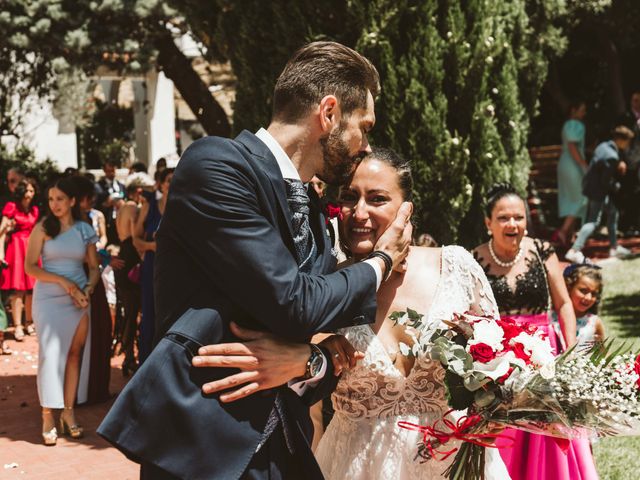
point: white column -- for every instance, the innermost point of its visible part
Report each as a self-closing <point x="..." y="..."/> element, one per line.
<point x="154" y="118"/>
<point x="163" y="122"/>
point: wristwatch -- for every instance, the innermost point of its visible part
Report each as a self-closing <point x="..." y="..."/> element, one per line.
<point x="315" y="362"/>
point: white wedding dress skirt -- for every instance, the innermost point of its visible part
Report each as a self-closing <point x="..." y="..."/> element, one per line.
<point x="364" y="441"/>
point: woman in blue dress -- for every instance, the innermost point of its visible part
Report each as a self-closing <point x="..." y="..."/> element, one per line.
<point x="60" y="307"/>
<point x="145" y="241"/>
<point x="571" y="168"/>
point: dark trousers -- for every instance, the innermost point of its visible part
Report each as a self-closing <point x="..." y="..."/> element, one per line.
<point x="129" y="297"/>
<point x="272" y="462"/>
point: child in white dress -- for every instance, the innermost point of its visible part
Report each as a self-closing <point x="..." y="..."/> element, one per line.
<point x="584" y="283"/>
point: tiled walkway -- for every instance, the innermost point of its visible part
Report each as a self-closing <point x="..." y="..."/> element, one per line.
<point x="22" y="454"/>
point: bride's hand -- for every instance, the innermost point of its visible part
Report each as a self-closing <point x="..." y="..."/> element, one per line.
<point x="264" y="360"/>
<point x="343" y="355"/>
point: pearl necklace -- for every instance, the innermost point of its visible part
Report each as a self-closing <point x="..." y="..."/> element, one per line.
<point x="499" y="262"/>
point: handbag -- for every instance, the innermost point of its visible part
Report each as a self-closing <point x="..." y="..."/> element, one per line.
<point x="134" y="273"/>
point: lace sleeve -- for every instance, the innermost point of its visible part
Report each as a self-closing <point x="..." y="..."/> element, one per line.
<point x="481" y="299"/>
<point x="545" y="249"/>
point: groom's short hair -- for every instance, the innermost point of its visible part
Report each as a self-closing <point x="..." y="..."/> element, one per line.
<point x="319" y="69"/>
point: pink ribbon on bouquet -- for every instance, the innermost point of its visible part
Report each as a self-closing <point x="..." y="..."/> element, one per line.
<point x="456" y="431"/>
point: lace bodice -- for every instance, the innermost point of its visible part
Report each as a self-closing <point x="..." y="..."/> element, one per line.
<point x="363" y="440"/>
<point x="529" y="294"/>
<point x="375" y="387"/>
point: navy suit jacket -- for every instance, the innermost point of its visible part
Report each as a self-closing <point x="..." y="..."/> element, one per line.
<point x="225" y="253"/>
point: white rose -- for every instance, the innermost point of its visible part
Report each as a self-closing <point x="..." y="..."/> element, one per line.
<point x="496" y="368"/>
<point x="537" y="347"/>
<point x="488" y="332"/>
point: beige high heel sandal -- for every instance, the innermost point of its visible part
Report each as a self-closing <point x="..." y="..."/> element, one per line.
<point x="50" y="437"/>
<point x="74" y="431"/>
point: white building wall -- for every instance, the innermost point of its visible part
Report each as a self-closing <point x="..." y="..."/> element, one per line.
<point x="40" y="133"/>
<point x="163" y="122"/>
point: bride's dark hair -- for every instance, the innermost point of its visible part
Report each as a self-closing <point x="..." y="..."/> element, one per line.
<point x="399" y="164"/>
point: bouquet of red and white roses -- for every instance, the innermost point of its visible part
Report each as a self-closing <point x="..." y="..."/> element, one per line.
<point x="505" y="375"/>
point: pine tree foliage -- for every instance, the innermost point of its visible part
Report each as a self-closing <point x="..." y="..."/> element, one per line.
<point x="258" y="38"/>
<point x="450" y="103"/>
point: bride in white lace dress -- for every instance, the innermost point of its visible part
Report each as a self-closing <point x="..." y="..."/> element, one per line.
<point x="364" y="441"/>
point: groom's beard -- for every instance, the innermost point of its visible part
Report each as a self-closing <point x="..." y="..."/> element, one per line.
<point x="339" y="165"/>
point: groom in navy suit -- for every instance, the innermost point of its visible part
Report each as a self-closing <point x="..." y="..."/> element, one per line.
<point x="243" y="240"/>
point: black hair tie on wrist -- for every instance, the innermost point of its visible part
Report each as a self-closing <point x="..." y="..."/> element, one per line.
<point x="386" y="258"/>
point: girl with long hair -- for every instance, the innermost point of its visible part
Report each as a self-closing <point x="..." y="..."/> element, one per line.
<point x="61" y="306"/>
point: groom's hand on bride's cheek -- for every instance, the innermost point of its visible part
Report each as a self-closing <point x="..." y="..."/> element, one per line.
<point x="264" y="361"/>
<point x="396" y="239"/>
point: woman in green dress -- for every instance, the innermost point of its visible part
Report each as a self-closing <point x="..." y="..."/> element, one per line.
<point x="571" y="168"/>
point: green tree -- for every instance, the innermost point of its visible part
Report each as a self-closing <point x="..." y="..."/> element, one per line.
<point x="258" y="38"/>
<point x="45" y="38"/>
<point x="451" y="103"/>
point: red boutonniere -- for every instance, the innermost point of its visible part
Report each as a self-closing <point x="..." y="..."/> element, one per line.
<point x="332" y="210"/>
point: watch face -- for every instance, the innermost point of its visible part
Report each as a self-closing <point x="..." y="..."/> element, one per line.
<point x="315" y="364"/>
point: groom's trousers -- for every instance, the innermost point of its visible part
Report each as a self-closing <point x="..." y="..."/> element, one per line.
<point x="272" y="462"/>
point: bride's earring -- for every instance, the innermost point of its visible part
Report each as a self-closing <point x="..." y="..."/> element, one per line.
<point x="489" y="233"/>
<point x="526" y="232"/>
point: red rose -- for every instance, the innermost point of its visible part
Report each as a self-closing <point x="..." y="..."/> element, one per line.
<point x="636" y="368"/>
<point x="481" y="352"/>
<point x="511" y="329"/>
<point x="520" y="352"/>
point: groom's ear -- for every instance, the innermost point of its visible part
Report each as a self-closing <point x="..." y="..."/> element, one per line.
<point x="329" y="111"/>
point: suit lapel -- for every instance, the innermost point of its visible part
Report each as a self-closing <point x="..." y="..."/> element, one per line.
<point x="268" y="165"/>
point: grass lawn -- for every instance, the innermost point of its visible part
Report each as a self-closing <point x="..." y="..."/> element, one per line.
<point x="619" y="458"/>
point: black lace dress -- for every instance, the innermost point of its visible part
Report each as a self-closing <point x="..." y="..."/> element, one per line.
<point x="531" y="293"/>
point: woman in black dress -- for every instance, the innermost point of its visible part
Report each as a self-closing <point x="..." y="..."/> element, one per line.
<point x="526" y="279"/>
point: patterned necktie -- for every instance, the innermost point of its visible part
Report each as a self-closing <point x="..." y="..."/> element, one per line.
<point x="302" y="237"/>
<point x="305" y="247"/>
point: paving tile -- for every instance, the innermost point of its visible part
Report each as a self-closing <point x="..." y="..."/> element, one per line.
<point x="90" y="458"/>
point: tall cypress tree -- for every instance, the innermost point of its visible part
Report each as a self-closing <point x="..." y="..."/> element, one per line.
<point x="450" y="103"/>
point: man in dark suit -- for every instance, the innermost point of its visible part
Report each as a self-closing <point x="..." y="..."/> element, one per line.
<point x="109" y="192"/>
<point x="242" y="241"/>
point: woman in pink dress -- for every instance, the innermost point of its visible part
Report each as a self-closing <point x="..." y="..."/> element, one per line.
<point x="21" y="216"/>
<point x="526" y="279"/>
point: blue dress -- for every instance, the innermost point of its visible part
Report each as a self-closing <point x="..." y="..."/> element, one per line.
<point x="147" y="323"/>
<point x="57" y="318"/>
<point x="571" y="201"/>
